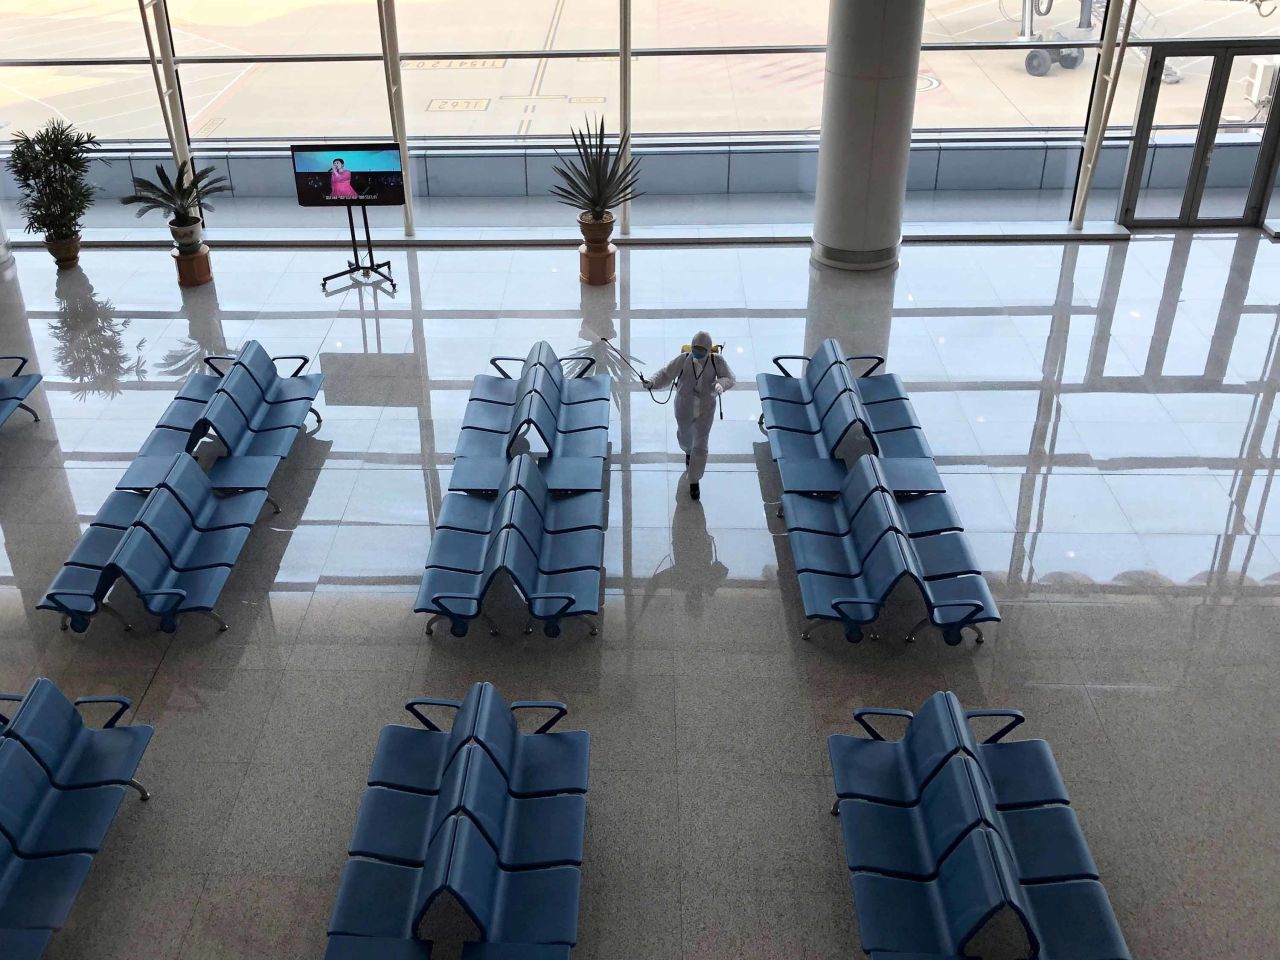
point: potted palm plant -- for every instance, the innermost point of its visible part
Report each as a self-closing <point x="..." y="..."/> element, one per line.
<point x="51" y="167"/>
<point x="595" y="181"/>
<point x="184" y="199"/>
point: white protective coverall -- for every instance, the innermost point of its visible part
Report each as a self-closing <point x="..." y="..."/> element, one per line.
<point x="695" y="399"/>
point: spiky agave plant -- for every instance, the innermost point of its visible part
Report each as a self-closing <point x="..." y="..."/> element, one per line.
<point x="596" y="180"/>
<point x="177" y="197"/>
<point x="52" y="170"/>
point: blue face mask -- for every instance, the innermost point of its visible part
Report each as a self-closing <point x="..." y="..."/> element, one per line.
<point x="698" y="353"/>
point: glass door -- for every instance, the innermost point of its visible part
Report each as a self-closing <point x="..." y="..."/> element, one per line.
<point x="1204" y="147"/>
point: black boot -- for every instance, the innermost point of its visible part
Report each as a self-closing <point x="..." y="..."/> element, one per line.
<point x="695" y="492"/>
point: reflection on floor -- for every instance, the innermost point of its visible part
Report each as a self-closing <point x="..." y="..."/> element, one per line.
<point x="1106" y="419"/>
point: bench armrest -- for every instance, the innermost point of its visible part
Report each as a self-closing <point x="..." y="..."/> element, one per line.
<point x="837" y="603"/>
<point x="439" y="598"/>
<point x="568" y="599"/>
<point x="123" y="704"/>
<point x="1016" y="718"/>
<point x="860" y="717"/>
<point x="494" y="362"/>
<point x="302" y="362"/>
<point x="174" y="592"/>
<point x="590" y="363"/>
<point x="13" y="698"/>
<point x="53" y="595"/>
<point x="878" y="362"/>
<point x="777" y="362"/>
<point x="22" y="362"/>
<point x="413" y="707"/>
<point x="560" y="711"/>
<point x="975" y="607"/>
<point x="212" y="365"/>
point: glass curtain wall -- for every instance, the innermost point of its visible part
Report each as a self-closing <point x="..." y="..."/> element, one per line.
<point x="522" y="70"/>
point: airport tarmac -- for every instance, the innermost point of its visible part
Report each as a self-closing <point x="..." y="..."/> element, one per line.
<point x="506" y="97"/>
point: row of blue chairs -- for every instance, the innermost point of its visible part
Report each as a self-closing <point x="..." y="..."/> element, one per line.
<point x="481" y="813"/>
<point x="246" y="404"/>
<point x="943" y="834"/>
<point x="552" y="549"/>
<point x="858" y="530"/>
<point x="15" y="389"/>
<point x="808" y="418"/>
<point x="564" y="418"/>
<point x="851" y="551"/>
<point x="61" y="785"/>
<point x="177" y="547"/>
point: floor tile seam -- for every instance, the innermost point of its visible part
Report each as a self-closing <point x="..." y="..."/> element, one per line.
<point x="191" y="918"/>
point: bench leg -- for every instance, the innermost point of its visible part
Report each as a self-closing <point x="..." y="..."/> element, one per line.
<point x="319" y="419"/>
<point x="271" y="500"/>
<point x="128" y="627"/>
<point x="493" y="627"/>
<point x="955" y="637"/>
<point x="594" y="624"/>
<point x="911" y="634"/>
<point x="142" y="791"/>
<point x="528" y="627"/>
<point x="222" y="624"/>
<point x="835" y="807"/>
<point x="34" y="415"/>
<point x="65" y="624"/>
<point x="432" y="622"/>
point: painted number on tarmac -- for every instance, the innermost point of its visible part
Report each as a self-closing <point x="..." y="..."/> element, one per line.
<point x="457" y="106"/>
<point x="456" y="64"/>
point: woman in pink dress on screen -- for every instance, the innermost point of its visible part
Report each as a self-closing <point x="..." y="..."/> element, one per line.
<point x="340" y="181"/>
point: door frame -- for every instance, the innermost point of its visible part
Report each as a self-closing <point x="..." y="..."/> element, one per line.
<point x="1223" y="54"/>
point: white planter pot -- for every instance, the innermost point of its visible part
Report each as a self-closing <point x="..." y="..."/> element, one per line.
<point x="187" y="238"/>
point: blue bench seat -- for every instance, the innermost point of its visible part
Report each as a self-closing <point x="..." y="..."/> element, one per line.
<point x="38" y="894"/>
<point x="15" y="389"/>
<point x="911" y="842"/>
<point x="41" y="820"/>
<point x="74" y="755"/>
<point x="280" y="388"/>
<point x="1021" y="772"/>
<point x="380" y="899"/>
<point x="397" y="826"/>
<point x="580" y="388"/>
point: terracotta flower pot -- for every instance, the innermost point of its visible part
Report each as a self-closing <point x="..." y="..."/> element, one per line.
<point x="187" y="236"/>
<point x="65" y="252"/>
<point x="596" y="256"/>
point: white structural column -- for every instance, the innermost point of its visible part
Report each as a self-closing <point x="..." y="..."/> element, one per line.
<point x="395" y="100"/>
<point x="155" y="25"/>
<point x="873" y="57"/>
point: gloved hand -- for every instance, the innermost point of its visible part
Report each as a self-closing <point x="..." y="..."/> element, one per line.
<point x="645" y="382"/>
<point x="719" y="389"/>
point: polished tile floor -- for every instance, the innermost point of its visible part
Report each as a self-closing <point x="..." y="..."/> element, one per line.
<point x="1105" y="416"/>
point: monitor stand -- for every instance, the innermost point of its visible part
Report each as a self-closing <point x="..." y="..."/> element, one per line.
<point x="357" y="266"/>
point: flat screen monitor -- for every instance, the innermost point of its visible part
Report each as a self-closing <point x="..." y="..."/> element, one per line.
<point x="348" y="174"/>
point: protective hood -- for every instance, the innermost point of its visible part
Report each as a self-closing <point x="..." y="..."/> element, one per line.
<point x="701" y="339"/>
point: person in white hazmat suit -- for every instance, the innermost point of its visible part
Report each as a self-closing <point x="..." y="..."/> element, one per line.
<point x="700" y="376"/>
